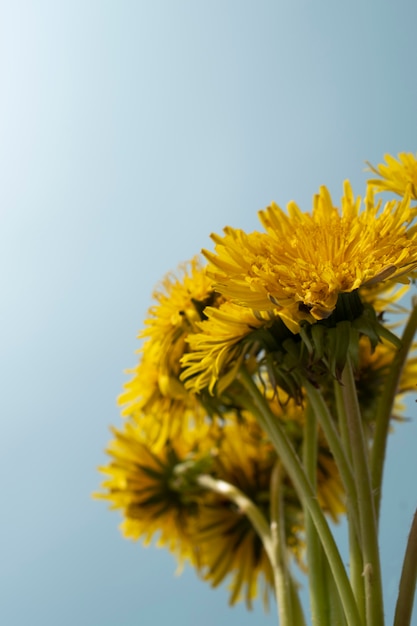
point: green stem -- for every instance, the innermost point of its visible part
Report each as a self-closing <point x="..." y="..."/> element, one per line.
<point x="298" y="614"/>
<point x="282" y="575"/>
<point x="356" y="569"/>
<point x="336" y="614"/>
<point x="355" y="552"/>
<point x="339" y="451"/>
<point x="384" y="409"/>
<point x="404" y="608"/>
<point x="316" y="560"/>
<point x="293" y="467"/>
<point x="368" y="526"/>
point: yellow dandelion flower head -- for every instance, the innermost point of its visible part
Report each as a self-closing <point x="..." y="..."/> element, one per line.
<point x="139" y="484"/>
<point x="159" y="404"/>
<point x="396" y="175"/>
<point x="217" y="350"/>
<point x="304" y="261"/>
<point x="155" y="397"/>
<point x="180" y="305"/>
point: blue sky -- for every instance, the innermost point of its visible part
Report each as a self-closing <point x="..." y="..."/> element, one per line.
<point x="129" y="132"/>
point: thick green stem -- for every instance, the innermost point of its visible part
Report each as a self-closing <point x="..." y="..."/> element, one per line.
<point x="356" y="569"/>
<point x="336" y="613"/>
<point x="407" y="589"/>
<point x="297" y="609"/>
<point x="384" y="409"/>
<point x="316" y="559"/>
<point x="294" y="469"/>
<point x="367" y="518"/>
<point x="340" y="452"/>
<point x="355" y="551"/>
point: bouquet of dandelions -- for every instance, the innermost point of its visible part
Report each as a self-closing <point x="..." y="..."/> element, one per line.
<point x="262" y="401"/>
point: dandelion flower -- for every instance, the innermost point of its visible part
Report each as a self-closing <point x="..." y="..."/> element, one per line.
<point x="303" y="261"/>
<point x="223" y="340"/>
<point x="155" y="396"/>
<point x="398" y="176"/>
<point x="139" y="484"/>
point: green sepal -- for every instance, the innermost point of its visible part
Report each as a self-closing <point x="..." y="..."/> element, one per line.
<point x="318" y="336"/>
<point x="338" y="346"/>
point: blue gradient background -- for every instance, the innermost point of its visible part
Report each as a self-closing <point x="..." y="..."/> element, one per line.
<point x="129" y="132"/>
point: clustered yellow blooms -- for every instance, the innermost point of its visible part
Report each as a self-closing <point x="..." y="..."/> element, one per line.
<point x="270" y="302"/>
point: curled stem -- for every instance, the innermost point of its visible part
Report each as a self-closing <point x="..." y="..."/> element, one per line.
<point x="273" y="540"/>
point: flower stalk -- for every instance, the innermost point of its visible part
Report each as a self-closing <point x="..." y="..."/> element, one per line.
<point x="272" y="537"/>
<point x="282" y="576"/>
<point x="366" y="506"/>
<point x="355" y="552"/>
<point x="316" y="559"/>
<point x="305" y="491"/>
<point x="384" y="409"/>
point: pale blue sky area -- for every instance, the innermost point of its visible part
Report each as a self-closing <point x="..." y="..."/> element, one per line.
<point x="129" y="132"/>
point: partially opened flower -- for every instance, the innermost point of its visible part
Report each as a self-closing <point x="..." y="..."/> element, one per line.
<point x="398" y="176"/>
<point x="304" y="261"/>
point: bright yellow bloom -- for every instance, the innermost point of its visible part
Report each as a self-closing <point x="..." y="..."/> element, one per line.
<point x="155" y="397"/>
<point x="180" y="306"/>
<point x="160" y="405"/>
<point x="304" y="261"/>
<point x="217" y="351"/>
<point x="398" y="176"/>
<point x="139" y="484"/>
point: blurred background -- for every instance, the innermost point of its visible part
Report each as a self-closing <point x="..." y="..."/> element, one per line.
<point x="130" y="131"/>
